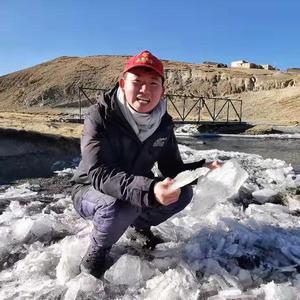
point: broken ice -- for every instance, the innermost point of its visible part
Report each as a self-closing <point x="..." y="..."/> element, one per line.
<point x="217" y="186"/>
<point x="129" y="270"/>
<point x="216" y="248"/>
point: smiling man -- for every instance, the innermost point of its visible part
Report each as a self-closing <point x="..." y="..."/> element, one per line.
<point x="142" y="88"/>
<point x="124" y="135"/>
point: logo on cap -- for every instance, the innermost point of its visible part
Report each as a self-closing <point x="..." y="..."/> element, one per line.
<point x="144" y="58"/>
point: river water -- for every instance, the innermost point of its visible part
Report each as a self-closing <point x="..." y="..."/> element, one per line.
<point x="284" y="149"/>
<point x="24" y="155"/>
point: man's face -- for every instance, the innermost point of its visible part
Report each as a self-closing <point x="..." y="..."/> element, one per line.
<point x="143" y="88"/>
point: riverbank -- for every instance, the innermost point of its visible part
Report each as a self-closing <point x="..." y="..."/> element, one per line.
<point x="42" y="121"/>
<point x="32" y="154"/>
<point x="65" y="124"/>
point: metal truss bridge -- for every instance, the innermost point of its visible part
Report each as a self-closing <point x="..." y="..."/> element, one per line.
<point x="185" y="109"/>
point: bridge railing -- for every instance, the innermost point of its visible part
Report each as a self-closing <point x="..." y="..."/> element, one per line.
<point x="198" y="109"/>
<point x="187" y="109"/>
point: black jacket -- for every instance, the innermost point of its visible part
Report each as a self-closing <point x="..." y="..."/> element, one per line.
<point x="114" y="160"/>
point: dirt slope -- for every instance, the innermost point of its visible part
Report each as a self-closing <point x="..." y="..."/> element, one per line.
<point x="268" y="96"/>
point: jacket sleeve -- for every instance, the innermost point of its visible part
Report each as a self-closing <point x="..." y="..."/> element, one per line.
<point x="170" y="162"/>
<point x="102" y="169"/>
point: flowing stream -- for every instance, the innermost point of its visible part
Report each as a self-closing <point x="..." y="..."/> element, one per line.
<point x="284" y="149"/>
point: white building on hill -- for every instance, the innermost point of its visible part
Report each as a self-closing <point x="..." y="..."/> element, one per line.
<point x="237" y="63"/>
<point x="248" y="65"/>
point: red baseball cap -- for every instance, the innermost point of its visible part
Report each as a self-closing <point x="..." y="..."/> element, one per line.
<point x="147" y="60"/>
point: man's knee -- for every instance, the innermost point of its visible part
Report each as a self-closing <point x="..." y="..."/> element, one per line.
<point x="89" y="200"/>
<point x="112" y="220"/>
<point x="105" y="214"/>
<point x="77" y="199"/>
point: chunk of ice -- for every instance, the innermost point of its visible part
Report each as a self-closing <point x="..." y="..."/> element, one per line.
<point x="45" y="228"/>
<point x="173" y="284"/>
<point x="37" y="264"/>
<point x="245" y="278"/>
<point x="264" y="195"/>
<point x="84" y="286"/>
<point x="21" y="228"/>
<point x="73" y="249"/>
<point x="275" y="291"/>
<point x="217" y="186"/>
<point x="22" y="190"/>
<point x="230" y="292"/>
<point x="129" y="270"/>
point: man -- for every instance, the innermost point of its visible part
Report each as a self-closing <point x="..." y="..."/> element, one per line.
<point x="124" y="135"/>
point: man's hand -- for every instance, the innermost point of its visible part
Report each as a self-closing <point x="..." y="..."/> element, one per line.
<point x="163" y="194"/>
<point x="214" y="165"/>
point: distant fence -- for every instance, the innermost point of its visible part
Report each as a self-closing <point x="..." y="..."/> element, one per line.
<point x="188" y="109"/>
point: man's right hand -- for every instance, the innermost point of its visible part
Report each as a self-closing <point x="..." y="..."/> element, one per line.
<point x="163" y="194"/>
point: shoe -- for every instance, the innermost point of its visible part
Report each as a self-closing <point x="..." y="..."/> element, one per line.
<point x="96" y="261"/>
<point x="144" y="236"/>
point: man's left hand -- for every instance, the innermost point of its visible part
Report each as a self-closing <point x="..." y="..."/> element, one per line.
<point x="214" y="165"/>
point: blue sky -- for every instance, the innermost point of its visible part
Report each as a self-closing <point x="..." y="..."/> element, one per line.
<point x="260" y="31"/>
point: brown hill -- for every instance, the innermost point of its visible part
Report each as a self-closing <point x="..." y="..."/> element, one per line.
<point x="268" y="96"/>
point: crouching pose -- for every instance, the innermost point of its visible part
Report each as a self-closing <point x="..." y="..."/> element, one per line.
<point x="124" y="135"/>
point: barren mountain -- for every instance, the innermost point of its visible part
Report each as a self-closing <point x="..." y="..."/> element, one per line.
<point x="268" y="96"/>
